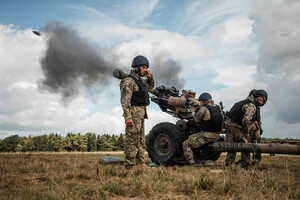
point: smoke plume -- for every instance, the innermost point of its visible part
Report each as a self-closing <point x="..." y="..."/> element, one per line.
<point x="70" y="62"/>
<point x="166" y="71"/>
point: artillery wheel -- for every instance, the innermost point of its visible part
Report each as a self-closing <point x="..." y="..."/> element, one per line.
<point x="206" y="153"/>
<point x="164" y="143"/>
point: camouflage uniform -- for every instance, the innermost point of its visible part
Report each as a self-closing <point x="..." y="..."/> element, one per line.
<point x="243" y="134"/>
<point x="256" y="138"/>
<point x="134" y="148"/>
<point x="198" y="139"/>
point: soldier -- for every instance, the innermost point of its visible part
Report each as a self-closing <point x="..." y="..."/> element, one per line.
<point x="134" y="99"/>
<point x="256" y="135"/>
<point x="210" y="118"/>
<point x="242" y="124"/>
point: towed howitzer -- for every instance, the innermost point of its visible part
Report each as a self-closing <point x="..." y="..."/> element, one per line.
<point x="164" y="141"/>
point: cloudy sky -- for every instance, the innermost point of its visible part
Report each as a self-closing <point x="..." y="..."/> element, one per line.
<point x="61" y="81"/>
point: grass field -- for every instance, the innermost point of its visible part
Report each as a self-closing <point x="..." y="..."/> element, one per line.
<point x="78" y="176"/>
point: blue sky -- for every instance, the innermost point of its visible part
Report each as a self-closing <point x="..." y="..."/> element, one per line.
<point x="223" y="47"/>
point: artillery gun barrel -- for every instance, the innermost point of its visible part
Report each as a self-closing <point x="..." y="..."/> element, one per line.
<point x="272" y="148"/>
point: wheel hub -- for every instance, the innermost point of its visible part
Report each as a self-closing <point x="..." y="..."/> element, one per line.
<point x="163" y="144"/>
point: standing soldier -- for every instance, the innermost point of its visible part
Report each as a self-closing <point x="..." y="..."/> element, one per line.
<point x="134" y="99"/>
<point x="210" y="118"/>
<point x="241" y="124"/>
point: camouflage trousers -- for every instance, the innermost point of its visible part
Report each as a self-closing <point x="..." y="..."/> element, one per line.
<point x="235" y="134"/>
<point x="195" y="141"/>
<point x="135" y="143"/>
<point x="256" y="137"/>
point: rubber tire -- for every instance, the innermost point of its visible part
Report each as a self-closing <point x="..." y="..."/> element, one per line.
<point x="164" y="143"/>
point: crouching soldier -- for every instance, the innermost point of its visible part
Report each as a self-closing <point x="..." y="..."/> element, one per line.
<point x="210" y="117"/>
<point x="256" y="135"/>
<point x="242" y="124"/>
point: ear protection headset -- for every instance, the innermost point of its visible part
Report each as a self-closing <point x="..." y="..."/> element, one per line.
<point x="136" y="69"/>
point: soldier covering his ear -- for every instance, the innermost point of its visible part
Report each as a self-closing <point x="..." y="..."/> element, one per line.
<point x="134" y="99"/>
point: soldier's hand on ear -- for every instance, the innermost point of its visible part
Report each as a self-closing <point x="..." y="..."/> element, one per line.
<point x="148" y="74"/>
<point x="129" y="122"/>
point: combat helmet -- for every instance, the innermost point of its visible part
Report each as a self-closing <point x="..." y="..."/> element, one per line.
<point x="205" y="97"/>
<point x="140" y="61"/>
<point x="261" y="93"/>
<point x="252" y="92"/>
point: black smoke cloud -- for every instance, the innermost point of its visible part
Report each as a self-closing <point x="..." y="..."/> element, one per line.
<point x="277" y="29"/>
<point x="71" y="61"/>
<point x="166" y="71"/>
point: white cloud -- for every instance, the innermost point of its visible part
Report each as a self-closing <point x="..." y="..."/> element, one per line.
<point x="151" y="42"/>
<point x="134" y="11"/>
<point x="198" y="17"/>
<point x="128" y="39"/>
<point x="236" y="76"/>
<point x="23" y="85"/>
<point x="237" y="29"/>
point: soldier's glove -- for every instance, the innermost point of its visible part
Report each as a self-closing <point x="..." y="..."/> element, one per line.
<point x="261" y="131"/>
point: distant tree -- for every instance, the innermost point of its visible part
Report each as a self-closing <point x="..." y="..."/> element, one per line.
<point x="55" y="142"/>
<point x="74" y="142"/>
<point x="1" y="146"/>
<point x="10" y="143"/>
<point x="41" y="143"/>
<point x="114" y="142"/>
<point x="82" y="142"/>
<point x="91" y="142"/>
<point x="67" y="143"/>
<point x="71" y="142"/>
<point x="19" y="148"/>
<point x="98" y="143"/>
<point x="121" y="142"/>
<point x="104" y="143"/>
<point x="28" y="143"/>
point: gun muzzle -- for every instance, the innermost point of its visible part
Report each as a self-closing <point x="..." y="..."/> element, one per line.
<point x="119" y="74"/>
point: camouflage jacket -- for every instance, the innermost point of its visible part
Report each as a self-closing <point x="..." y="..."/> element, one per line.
<point x="203" y="113"/>
<point x="249" y="110"/>
<point x="127" y="87"/>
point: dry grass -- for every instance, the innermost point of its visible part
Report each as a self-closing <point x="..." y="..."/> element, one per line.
<point x="78" y="176"/>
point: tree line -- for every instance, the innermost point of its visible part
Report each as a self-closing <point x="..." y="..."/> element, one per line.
<point x="57" y="143"/>
<point x="74" y="142"/>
